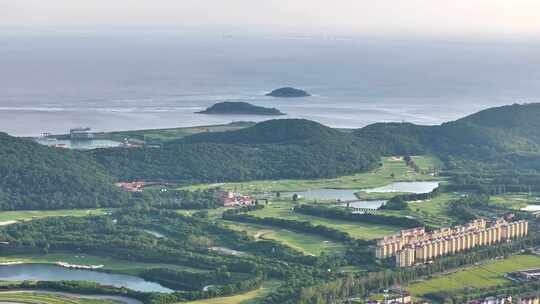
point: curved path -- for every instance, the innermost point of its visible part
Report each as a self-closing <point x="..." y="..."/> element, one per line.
<point x="122" y="299"/>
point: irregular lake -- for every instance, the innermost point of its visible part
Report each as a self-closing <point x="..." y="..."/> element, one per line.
<point x="365" y="204"/>
<point x="531" y="208"/>
<point x="326" y="194"/>
<point x="409" y="187"/>
<point x="40" y="272"/>
<point x="349" y="194"/>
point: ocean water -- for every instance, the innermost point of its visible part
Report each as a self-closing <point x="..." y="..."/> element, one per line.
<point x="51" y="82"/>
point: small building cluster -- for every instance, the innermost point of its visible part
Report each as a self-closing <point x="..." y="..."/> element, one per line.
<point x="403" y="298"/>
<point x="531" y="299"/>
<point x="527" y="275"/>
<point x="493" y="300"/>
<point x="131" y="186"/>
<point x="416" y="246"/>
<point x="232" y="199"/>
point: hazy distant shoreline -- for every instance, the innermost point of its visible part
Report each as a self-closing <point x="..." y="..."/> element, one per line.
<point x="49" y="84"/>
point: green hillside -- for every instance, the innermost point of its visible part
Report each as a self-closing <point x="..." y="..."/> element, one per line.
<point x="37" y="177"/>
<point x="487" y="135"/>
<point x="269" y="150"/>
<point x="278" y="131"/>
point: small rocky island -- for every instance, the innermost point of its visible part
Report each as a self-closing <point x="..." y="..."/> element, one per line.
<point x="288" y="92"/>
<point x="243" y="108"/>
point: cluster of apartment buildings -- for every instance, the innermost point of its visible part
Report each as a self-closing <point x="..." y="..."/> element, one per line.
<point x="405" y="298"/>
<point x="417" y="246"/>
<point x="232" y="199"/>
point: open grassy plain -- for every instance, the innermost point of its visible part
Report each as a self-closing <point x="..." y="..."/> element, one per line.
<point x="428" y="163"/>
<point x="487" y="275"/>
<point x="283" y="209"/>
<point x="308" y="244"/>
<point x="37" y="298"/>
<point x="392" y="170"/>
<point x="515" y="200"/>
<point x="434" y="211"/>
<point x="245" y="298"/>
<point x="163" y="135"/>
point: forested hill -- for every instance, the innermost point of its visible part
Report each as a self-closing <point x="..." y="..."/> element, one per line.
<point x="290" y="148"/>
<point x="508" y="135"/>
<point x="279" y="131"/>
<point x="504" y="139"/>
<point x="33" y="176"/>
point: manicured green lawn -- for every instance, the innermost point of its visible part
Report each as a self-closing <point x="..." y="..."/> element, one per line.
<point x="306" y="243"/>
<point x="283" y="209"/>
<point x="245" y="298"/>
<point x="172" y="133"/>
<point x="6" y="216"/>
<point x="428" y="163"/>
<point x="37" y="298"/>
<point x="434" y="211"/>
<point x="515" y="200"/>
<point x="116" y="265"/>
<point x="488" y="275"/>
<point x="392" y="170"/>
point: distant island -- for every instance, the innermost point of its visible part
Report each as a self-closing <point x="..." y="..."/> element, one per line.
<point x="244" y="108"/>
<point x="288" y="92"/>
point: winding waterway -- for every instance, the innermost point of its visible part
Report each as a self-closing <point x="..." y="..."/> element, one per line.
<point x="40" y="272"/>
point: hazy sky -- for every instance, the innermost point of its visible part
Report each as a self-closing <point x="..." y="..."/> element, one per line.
<point x="494" y="17"/>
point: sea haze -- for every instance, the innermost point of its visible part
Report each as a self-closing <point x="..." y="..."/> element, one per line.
<point x="53" y="82"/>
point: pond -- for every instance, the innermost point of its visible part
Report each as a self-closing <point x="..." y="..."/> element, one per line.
<point x="365" y="204"/>
<point x="409" y="187"/>
<point x="326" y="194"/>
<point x="40" y="272"/>
<point x="531" y="208"/>
<point x="349" y="194"/>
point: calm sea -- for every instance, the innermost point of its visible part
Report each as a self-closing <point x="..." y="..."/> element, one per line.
<point x="52" y="82"/>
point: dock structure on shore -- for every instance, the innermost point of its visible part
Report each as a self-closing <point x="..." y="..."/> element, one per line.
<point x="81" y="134"/>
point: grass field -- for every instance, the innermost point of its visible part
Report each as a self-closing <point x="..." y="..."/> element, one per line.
<point x="7" y="216"/>
<point x="515" y="200"/>
<point x="37" y="298"/>
<point x="428" y="163"/>
<point x="283" y="209"/>
<point x="245" y="298"/>
<point x="488" y="275"/>
<point x="163" y="135"/>
<point x="434" y="211"/>
<point x="120" y="266"/>
<point x="392" y="170"/>
<point x="306" y="243"/>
